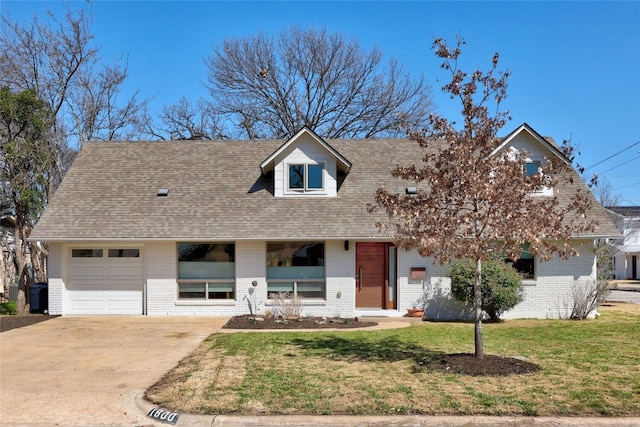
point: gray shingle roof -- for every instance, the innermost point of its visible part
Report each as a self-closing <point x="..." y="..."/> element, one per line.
<point x="217" y="191"/>
<point x="626" y="211"/>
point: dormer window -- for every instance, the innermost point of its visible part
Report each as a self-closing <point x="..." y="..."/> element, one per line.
<point x="306" y="166"/>
<point x="531" y="168"/>
<point x="306" y="177"/>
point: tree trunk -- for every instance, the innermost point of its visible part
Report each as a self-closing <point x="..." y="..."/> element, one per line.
<point x="24" y="300"/>
<point x="477" y="304"/>
<point x="23" y="305"/>
<point x="38" y="262"/>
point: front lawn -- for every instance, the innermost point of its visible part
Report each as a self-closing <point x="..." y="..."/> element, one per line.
<point x="587" y="368"/>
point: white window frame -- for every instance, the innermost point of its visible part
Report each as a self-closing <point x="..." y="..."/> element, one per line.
<point x="532" y="162"/>
<point x="546" y="191"/>
<point x="206" y="281"/>
<point x="305" y="188"/>
<point x="298" y="281"/>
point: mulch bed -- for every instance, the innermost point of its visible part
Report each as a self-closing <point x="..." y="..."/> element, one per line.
<point x="12" y="322"/>
<point x="468" y="364"/>
<point x="248" y="321"/>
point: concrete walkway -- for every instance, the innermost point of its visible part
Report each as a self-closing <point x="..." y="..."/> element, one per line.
<point x="89" y="371"/>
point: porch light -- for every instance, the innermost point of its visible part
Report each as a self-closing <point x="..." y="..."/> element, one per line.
<point x="163" y="192"/>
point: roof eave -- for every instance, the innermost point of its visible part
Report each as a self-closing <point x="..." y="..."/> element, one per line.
<point x="267" y="164"/>
<point x="537" y="136"/>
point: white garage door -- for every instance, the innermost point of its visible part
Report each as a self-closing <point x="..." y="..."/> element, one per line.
<point x="105" y="281"/>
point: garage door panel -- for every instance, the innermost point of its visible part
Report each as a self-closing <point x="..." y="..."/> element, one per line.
<point x="131" y="287"/>
<point x="107" y="285"/>
<point x="80" y="282"/>
<point x="87" y="286"/>
<point x="123" y="271"/>
<point x="87" y="270"/>
<point x="116" y="306"/>
<point x="87" y="305"/>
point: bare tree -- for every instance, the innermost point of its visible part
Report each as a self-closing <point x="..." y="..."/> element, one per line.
<point x="604" y="193"/>
<point x="57" y="59"/>
<point x="56" y="62"/>
<point x="271" y="89"/>
<point x="474" y="202"/>
<point x="95" y="111"/>
<point x="185" y="121"/>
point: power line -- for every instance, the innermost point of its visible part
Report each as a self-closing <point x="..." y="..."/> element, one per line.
<point x="613" y="155"/>
<point x="627" y="186"/>
<point x="621" y="164"/>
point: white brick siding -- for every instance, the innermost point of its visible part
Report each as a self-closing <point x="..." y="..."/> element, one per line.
<point x="549" y="296"/>
<point x="56" y="281"/>
<point x="251" y="257"/>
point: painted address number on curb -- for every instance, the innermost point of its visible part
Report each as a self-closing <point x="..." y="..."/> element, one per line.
<point x="164" y="416"/>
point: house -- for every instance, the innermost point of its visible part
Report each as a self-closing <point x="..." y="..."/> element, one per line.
<point x="626" y="259"/>
<point x="217" y="227"/>
<point x="7" y="263"/>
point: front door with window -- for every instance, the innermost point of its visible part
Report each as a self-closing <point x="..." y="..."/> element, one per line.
<point x="375" y="275"/>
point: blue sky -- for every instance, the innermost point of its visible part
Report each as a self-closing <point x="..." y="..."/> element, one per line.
<point x="576" y="65"/>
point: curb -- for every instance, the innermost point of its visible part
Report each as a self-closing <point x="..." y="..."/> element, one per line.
<point x="183" y="419"/>
<point x="383" y="421"/>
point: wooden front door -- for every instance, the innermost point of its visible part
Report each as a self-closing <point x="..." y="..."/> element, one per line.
<point x="372" y="275"/>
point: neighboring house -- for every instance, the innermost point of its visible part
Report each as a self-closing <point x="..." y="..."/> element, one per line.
<point x="215" y="227"/>
<point x="7" y="248"/>
<point x="626" y="260"/>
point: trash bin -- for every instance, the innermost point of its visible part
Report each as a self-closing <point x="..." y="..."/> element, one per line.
<point x="39" y="293"/>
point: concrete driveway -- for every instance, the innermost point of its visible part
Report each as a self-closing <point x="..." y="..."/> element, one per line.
<point x="87" y="371"/>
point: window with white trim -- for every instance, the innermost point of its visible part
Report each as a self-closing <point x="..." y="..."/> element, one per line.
<point x="296" y="268"/>
<point x="86" y="253"/>
<point x="305" y="177"/>
<point x="206" y="271"/>
<point x="531" y="168"/>
<point x="525" y="265"/>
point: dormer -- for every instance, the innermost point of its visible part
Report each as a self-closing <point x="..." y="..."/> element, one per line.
<point x="305" y="166"/>
<point x="537" y="148"/>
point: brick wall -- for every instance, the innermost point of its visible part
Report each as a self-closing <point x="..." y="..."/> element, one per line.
<point x="56" y="282"/>
<point x="549" y="296"/>
<point x="251" y="256"/>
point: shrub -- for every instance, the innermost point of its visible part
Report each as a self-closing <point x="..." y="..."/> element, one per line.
<point x="501" y="285"/>
<point x="286" y="304"/>
<point x="587" y="296"/>
<point x="8" y="308"/>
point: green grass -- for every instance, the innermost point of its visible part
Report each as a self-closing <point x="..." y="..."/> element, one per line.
<point x="588" y="368"/>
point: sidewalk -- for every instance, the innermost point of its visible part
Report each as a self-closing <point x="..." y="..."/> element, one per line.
<point x="626" y="285"/>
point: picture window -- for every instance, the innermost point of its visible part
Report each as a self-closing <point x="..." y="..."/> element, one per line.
<point x="206" y="271"/>
<point x="296" y="268"/>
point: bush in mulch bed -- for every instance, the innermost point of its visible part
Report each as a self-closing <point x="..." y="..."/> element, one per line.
<point x="248" y="321"/>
